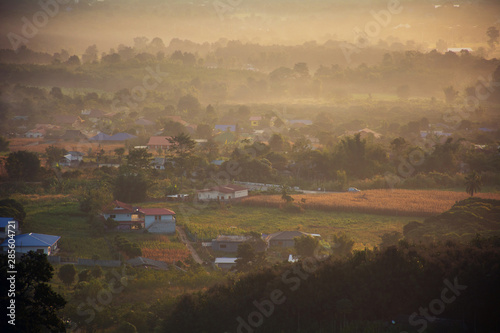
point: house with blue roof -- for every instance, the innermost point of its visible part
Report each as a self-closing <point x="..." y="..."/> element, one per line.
<point x="40" y="243"/>
<point x="6" y="224"/>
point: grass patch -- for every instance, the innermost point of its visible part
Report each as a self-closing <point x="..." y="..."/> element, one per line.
<point x="365" y="229"/>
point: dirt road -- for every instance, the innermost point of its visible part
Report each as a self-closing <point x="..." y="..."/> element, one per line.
<point x="185" y="240"/>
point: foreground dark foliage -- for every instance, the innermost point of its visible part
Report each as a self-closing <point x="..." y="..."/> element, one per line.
<point x="370" y="287"/>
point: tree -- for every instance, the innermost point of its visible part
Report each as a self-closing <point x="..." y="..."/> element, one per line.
<point x="139" y="158"/>
<point x="4" y="144"/>
<point x="277" y="142"/>
<point x="172" y="128"/>
<point x="204" y="131"/>
<point x="390" y="239"/>
<point x="12" y="208"/>
<point x="23" y="165"/>
<point x="190" y="104"/>
<point x="96" y="271"/>
<point x="341" y="245"/>
<point x="182" y="147"/>
<point x="56" y="92"/>
<point x="301" y="69"/>
<point x="493" y="35"/>
<point x="450" y="94"/>
<point x="54" y="155"/>
<point x="92" y="197"/>
<point x="73" y="61"/>
<point x="36" y="304"/>
<point x="248" y="258"/>
<point x="67" y="274"/>
<point x="131" y="187"/>
<point x="306" y="245"/>
<point x="120" y="152"/>
<point x="84" y="276"/>
<point x="284" y="194"/>
<point x="473" y="183"/>
<point x="90" y="54"/>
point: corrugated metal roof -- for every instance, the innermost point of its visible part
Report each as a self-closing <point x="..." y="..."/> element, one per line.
<point x="231" y="238"/>
<point x="5" y="220"/>
<point x="33" y="239"/>
<point x="225" y="260"/>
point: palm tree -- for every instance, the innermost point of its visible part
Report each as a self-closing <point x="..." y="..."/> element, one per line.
<point x="473" y="183"/>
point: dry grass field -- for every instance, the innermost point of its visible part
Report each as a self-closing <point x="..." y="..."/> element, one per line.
<point x="39" y="145"/>
<point x="383" y="202"/>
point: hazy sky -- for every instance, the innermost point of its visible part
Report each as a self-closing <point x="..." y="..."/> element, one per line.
<point x="74" y="26"/>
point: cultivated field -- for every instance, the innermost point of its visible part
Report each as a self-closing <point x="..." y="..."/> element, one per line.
<point x="161" y="248"/>
<point x="383" y="202"/>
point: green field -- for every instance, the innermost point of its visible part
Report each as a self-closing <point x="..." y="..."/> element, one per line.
<point x="365" y="229"/>
<point x="60" y="216"/>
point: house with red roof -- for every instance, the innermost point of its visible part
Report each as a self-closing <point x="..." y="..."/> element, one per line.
<point x="128" y="217"/>
<point x="159" y="220"/>
<point x="159" y="142"/>
<point x="223" y="193"/>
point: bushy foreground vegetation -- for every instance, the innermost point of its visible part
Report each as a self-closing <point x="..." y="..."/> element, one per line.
<point x="373" y="290"/>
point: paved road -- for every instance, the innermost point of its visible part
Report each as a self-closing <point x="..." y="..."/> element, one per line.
<point x="185" y="240"/>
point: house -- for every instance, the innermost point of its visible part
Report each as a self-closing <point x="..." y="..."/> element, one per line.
<point x="158" y="163"/>
<point x="225" y="263"/>
<point x="226" y="192"/>
<point x="35" y="133"/>
<point x="286" y="238"/>
<point x="255" y="121"/>
<point x="158" y="220"/>
<point x="228" y="243"/>
<point x="93" y="115"/>
<point x="424" y="134"/>
<point x="40" y="243"/>
<point x="8" y="224"/>
<point x="127" y="216"/>
<point x="224" y="128"/>
<point x="115" y="137"/>
<point x="159" y="142"/>
<point x="72" y="158"/>
<point x="121" y="137"/>
<point x="100" y="137"/>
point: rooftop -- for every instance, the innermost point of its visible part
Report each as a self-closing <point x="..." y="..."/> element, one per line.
<point x="225" y="260"/>
<point x="156" y="211"/>
<point x="5" y="220"/>
<point x="159" y="141"/>
<point x="231" y="238"/>
<point x="33" y="239"/>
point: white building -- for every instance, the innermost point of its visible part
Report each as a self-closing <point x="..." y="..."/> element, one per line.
<point x="223" y="193"/>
